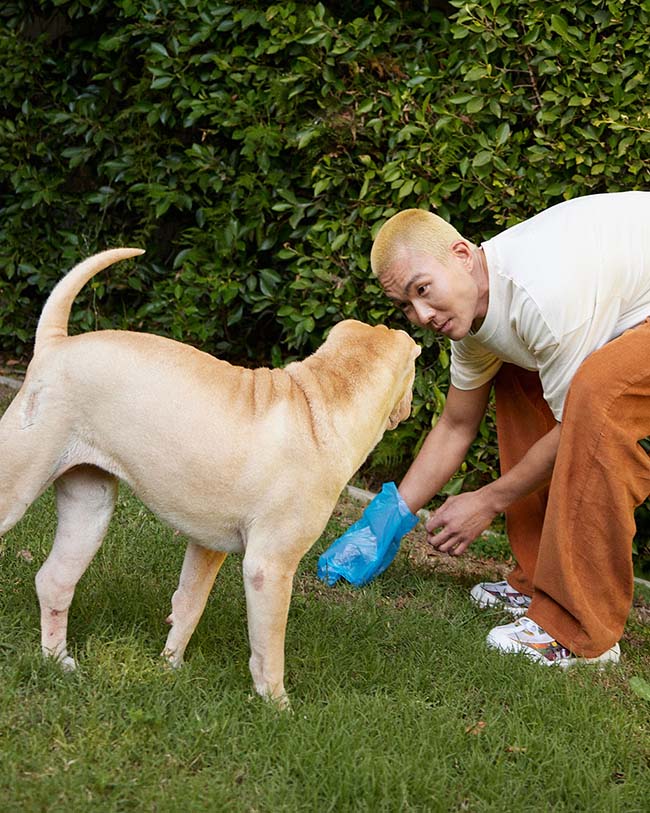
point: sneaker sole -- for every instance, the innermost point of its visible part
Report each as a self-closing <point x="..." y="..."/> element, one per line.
<point x="609" y="658"/>
<point x="510" y="647"/>
<point x="486" y="601"/>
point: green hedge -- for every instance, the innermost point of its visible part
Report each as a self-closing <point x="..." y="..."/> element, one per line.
<point x="254" y="150"/>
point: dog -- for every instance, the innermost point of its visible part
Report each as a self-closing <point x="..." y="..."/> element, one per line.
<point x="248" y="461"/>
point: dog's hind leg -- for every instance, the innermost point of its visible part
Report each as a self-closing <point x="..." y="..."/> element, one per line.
<point x="200" y="568"/>
<point x="28" y="458"/>
<point x="85" y="498"/>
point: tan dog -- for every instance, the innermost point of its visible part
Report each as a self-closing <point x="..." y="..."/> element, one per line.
<point x="240" y="461"/>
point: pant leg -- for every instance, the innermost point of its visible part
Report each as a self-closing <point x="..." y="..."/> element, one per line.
<point x="584" y="582"/>
<point x="522" y="417"/>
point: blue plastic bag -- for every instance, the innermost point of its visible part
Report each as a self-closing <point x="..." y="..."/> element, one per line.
<point x="367" y="548"/>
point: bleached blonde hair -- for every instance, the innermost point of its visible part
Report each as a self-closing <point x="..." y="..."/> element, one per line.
<point x="409" y="230"/>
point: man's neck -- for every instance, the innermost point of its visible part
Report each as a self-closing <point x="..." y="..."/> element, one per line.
<point x="482" y="279"/>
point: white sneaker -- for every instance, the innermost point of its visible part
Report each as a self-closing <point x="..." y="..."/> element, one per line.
<point x="500" y="595"/>
<point x="524" y="635"/>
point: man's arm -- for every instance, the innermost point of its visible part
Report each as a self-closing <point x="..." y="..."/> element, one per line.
<point x="462" y="518"/>
<point x="446" y="445"/>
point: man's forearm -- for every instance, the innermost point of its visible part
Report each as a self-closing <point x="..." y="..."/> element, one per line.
<point x="454" y="525"/>
<point x="532" y="472"/>
<point x="440" y="457"/>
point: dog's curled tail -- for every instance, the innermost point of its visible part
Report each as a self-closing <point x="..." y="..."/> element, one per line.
<point x="53" y="323"/>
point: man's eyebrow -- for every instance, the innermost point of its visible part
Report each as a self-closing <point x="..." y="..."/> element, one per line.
<point x="403" y="300"/>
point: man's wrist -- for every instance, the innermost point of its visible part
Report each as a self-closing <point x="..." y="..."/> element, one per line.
<point x="496" y="496"/>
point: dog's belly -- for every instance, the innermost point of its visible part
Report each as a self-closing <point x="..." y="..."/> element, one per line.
<point x="217" y="528"/>
<point x="220" y="536"/>
<point x="229" y="541"/>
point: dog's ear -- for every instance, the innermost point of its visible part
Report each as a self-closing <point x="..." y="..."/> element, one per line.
<point x="402" y="408"/>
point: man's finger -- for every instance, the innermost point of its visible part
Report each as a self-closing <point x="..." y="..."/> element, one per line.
<point x="439" y="539"/>
<point x="432" y="523"/>
<point x="449" y="547"/>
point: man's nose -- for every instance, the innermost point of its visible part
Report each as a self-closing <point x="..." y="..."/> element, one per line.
<point x="424" y="312"/>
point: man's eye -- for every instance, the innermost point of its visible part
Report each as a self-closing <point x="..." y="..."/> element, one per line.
<point x="422" y="289"/>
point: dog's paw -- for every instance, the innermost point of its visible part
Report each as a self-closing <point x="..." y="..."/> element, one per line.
<point x="280" y="702"/>
<point x="67" y="664"/>
<point x="171" y="658"/>
<point x="64" y="661"/>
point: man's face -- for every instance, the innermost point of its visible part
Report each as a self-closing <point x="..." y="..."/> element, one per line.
<point x="439" y="297"/>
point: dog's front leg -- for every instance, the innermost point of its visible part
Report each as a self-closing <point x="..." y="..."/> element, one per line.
<point x="200" y="568"/>
<point x="268" y="587"/>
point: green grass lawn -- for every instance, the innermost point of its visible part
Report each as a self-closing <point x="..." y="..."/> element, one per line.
<point x="396" y="703"/>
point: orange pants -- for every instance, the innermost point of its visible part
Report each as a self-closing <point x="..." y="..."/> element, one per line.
<point x="573" y="540"/>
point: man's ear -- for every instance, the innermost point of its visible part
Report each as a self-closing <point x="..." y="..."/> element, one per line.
<point x="463" y="251"/>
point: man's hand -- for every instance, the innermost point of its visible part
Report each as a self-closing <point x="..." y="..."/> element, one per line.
<point x="460" y="520"/>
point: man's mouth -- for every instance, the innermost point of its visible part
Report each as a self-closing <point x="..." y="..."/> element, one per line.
<point x="441" y="328"/>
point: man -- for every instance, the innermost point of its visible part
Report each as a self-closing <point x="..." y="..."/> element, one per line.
<point x="554" y="313"/>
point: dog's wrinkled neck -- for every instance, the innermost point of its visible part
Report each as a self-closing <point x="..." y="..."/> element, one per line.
<point x="350" y="394"/>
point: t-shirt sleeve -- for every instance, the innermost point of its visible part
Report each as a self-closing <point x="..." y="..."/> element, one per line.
<point x="472" y="365"/>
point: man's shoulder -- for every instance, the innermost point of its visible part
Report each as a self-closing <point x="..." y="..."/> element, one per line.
<point x="579" y="216"/>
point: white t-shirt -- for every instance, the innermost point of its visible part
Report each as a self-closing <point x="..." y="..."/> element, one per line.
<point x="562" y="284"/>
